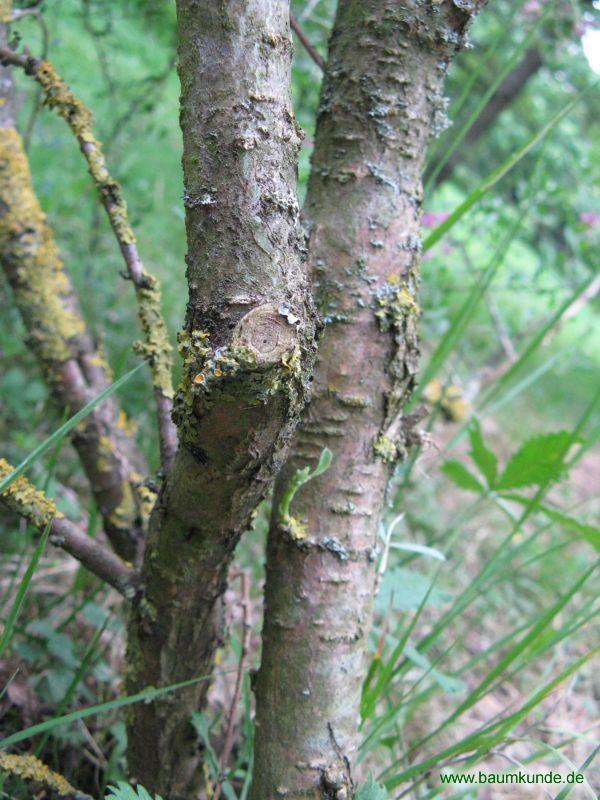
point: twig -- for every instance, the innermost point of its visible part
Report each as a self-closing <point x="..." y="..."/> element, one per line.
<point x="247" y="630"/>
<point x="156" y="348"/>
<point x="307" y="44"/>
<point x="31" y="504"/>
<point x="36" y="104"/>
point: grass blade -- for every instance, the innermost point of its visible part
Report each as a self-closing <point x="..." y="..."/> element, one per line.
<point x="499" y="173"/>
<point x="13" y="614"/>
<point x="64" y="429"/>
<point x="102" y="708"/>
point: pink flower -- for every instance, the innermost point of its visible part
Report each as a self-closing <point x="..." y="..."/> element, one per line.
<point x="433" y="218"/>
<point x="590" y="218"/>
<point x="532" y="9"/>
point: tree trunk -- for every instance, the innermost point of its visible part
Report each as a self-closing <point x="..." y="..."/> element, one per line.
<point x="379" y="104"/>
<point x="247" y="349"/>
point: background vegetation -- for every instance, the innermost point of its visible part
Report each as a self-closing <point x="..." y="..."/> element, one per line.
<point x="488" y="599"/>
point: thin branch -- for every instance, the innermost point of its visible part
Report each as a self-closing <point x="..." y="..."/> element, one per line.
<point x="247" y="631"/>
<point x="33" y="505"/>
<point x="72" y="364"/>
<point x="29" y="768"/>
<point x="156" y="348"/>
<point x="307" y="44"/>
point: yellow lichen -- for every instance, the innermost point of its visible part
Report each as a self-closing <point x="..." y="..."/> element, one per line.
<point x="452" y="402"/>
<point x="155" y="348"/>
<point x="146" y="499"/>
<point x="385" y="449"/>
<point x="105" y="460"/>
<point x="27" y="501"/>
<point x="30" y="768"/>
<point x="126" y="424"/>
<point x="31" y="259"/>
<point x="6" y="8"/>
<point x="124" y="513"/>
<point x="395" y="303"/>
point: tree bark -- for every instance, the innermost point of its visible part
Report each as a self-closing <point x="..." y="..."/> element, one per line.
<point x="378" y="109"/>
<point x="247" y="349"/>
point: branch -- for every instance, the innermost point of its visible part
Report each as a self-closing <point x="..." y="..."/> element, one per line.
<point x="33" y="505"/>
<point x="308" y="46"/>
<point x="30" y="768"/>
<point x="73" y="367"/>
<point x="155" y="348"/>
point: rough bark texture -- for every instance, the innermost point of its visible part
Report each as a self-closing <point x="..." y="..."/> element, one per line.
<point x="380" y="99"/>
<point x="74" y="369"/>
<point x="246" y="348"/>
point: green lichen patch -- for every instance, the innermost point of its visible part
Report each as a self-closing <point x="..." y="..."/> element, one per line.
<point x="386" y="449"/>
<point x="27" y="501"/>
<point x="30" y="768"/>
<point x="32" y="262"/>
<point x="395" y="304"/>
<point x="156" y="347"/>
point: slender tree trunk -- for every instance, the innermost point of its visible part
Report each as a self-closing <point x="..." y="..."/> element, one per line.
<point x="247" y="349"/>
<point x="379" y="103"/>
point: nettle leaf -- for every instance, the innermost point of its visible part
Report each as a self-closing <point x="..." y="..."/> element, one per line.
<point x="371" y="790"/>
<point x="538" y="461"/>
<point x="461" y="476"/>
<point x="124" y="791"/>
<point x="481" y="454"/>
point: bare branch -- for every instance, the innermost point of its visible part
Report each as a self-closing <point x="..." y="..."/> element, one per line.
<point x="33" y="505"/>
<point x="73" y="367"/>
<point x="155" y="348"/>
<point x="307" y="44"/>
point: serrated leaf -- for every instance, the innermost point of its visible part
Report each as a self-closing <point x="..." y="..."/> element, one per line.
<point x="481" y="454"/>
<point x="538" y="461"/>
<point x="461" y="476"/>
<point x="371" y="790"/>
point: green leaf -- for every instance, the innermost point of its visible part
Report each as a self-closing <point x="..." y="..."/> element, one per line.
<point x="371" y="790"/>
<point x="404" y="589"/>
<point x="538" y="461"/>
<point x="123" y="791"/>
<point x="301" y="477"/>
<point x="64" y="429"/>
<point x="461" y="476"/>
<point x="481" y="454"/>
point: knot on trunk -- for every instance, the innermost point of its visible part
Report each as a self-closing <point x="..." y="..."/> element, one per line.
<point x="264" y="335"/>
